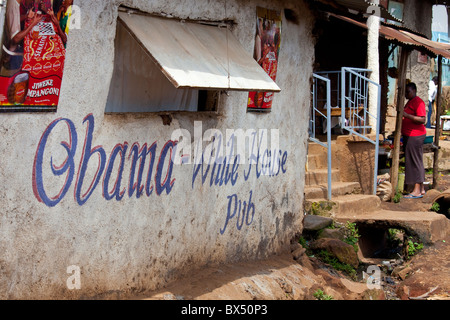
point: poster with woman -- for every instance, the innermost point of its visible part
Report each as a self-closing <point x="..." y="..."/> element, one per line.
<point x="267" y="48"/>
<point x="32" y="54"/>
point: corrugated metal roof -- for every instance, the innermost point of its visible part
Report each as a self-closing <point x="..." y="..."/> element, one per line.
<point x="192" y="55"/>
<point x="404" y="37"/>
<point x="408" y="38"/>
<point x="360" y="6"/>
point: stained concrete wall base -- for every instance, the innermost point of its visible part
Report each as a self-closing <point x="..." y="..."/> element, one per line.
<point x="356" y="158"/>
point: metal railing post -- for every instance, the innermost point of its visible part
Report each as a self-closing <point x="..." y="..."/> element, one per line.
<point x="312" y="136"/>
<point x="356" y="121"/>
<point x="329" y="138"/>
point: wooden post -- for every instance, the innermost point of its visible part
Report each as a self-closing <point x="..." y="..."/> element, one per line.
<point x="437" y="129"/>
<point x="405" y="51"/>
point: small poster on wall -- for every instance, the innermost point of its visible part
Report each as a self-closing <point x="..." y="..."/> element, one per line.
<point x="32" y="54"/>
<point x="267" y="49"/>
<point x="422" y="58"/>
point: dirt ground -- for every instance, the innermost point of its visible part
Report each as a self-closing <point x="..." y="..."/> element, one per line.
<point x="431" y="266"/>
<point x="286" y="278"/>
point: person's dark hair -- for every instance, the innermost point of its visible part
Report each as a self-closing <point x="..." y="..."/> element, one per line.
<point x="412" y="85"/>
<point x="435" y="79"/>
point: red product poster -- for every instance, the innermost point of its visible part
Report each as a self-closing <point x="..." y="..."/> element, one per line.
<point x="32" y="56"/>
<point x="267" y="48"/>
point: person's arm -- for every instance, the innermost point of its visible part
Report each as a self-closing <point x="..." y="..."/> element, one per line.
<point x="22" y="34"/>
<point x="61" y="10"/>
<point x="415" y="119"/>
<point x="55" y="21"/>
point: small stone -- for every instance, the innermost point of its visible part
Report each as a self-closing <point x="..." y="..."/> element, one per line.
<point x="169" y="296"/>
<point x="295" y="246"/>
<point x="341" y="250"/>
<point x="332" y="234"/>
<point x="402" y="274"/>
<point x="315" y="223"/>
<point x="298" y="253"/>
<point x="403" y="292"/>
<point x="305" y="261"/>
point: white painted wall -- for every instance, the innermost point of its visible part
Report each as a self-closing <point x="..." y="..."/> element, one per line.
<point x="373" y="60"/>
<point x="142" y="243"/>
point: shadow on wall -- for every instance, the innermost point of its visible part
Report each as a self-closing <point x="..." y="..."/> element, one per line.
<point x="356" y="159"/>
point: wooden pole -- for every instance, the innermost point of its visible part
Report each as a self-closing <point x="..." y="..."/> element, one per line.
<point x="405" y="51"/>
<point x="437" y="129"/>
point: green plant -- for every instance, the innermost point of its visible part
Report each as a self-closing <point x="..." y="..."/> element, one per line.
<point x="303" y="243"/>
<point x="397" y="197"/>
<point x="393" y="236"/>
<point x="320" y="295"/>
<point x="351" y="235"/>
<point x="321" y="208"/>
<point x="413" y="247"/>
<point x="331" y="226"/>
<point x="328" y="258"/>
<point x="315" y="208"/>
<point x="435" y="207"/>
<point x="393" y="232"/>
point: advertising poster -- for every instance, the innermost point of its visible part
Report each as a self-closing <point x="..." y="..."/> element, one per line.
<point x="32" y="54"/>
<point x="267" y="48"/>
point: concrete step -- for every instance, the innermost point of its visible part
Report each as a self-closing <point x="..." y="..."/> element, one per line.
<point x="348" y="205"/>
<point x="337" y="189"/>
<point x="320" y="176"/>
<point x="315" y="148"/>
<point x="320" y="161"/>
<point x="316" y="161"/>
<point x="427" y="225"/>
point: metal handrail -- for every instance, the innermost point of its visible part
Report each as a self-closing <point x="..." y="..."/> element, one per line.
<point x="312" y="121"/>
<point x="352" y="96"/>
<point x="359" y="87"/>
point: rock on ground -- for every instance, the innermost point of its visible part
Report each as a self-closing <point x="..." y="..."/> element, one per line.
<point x="344" y="252"/>
<point x="315" y="223"/>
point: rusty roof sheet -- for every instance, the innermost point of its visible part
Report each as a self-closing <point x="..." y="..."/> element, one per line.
<point x="406" y="38"/>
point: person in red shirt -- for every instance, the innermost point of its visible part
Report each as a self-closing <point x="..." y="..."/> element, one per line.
<point x="414" y="133"/>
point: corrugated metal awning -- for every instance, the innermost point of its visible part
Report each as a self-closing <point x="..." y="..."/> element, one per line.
<point x="407" y="38"/>
<point x="433" y="48"/>
<point x="194" y="55"/>
<point x="360" y="6"/>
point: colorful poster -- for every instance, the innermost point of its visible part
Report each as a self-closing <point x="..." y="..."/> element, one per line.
<point x="267" y="48"/>
<point x="32" y="54"/>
